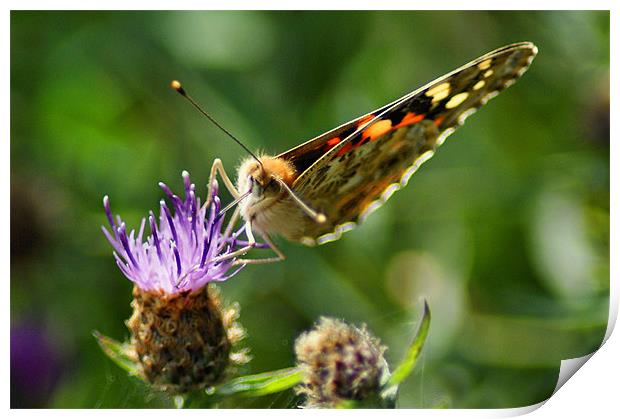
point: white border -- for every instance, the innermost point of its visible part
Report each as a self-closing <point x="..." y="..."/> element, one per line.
<point x="593" y="392"/>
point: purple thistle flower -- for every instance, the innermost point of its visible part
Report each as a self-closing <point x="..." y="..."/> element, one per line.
<point x="185" y="250"/>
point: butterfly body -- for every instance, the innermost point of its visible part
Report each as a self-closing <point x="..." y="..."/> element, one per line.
<point x="351" y="170"/>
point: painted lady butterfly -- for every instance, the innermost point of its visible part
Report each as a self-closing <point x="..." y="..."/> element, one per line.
<point x="323" y="187"/>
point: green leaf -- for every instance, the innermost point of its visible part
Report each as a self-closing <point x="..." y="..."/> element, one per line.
<point x="406" y="366"/>
<point x="118" y="352"/>
<point x="259" y="384"/>
<point x="348" y="404"/>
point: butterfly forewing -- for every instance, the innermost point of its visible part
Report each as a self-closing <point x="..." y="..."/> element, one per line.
<point x="349" y="171"/>
<point x="305" y="155"/>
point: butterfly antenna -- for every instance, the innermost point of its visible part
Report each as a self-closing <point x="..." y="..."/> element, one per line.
<point x="317" y="216"/>
<point x="233" y="203"/>
<point x="176" y="85"/>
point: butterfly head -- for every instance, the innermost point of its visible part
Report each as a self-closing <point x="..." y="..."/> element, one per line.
<point x="264" y="180"/>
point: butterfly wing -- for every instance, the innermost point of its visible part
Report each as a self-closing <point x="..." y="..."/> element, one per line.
<point x="305" y="155"/>
<point x="363" y="162"/>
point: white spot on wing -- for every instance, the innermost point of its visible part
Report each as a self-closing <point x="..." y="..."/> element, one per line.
<point x="521" y="71"/>
<point x="439" y="92"/>
<point x="510" y="82"/>
<point x="488" y="97"/>
<point x="456" y="100"/>
<point x="465" y="115"/>
<point x="485" y="64"/>
<point x="335" y="235"/>
<point x="416" y="165"/>
<point x="442" y="137"/>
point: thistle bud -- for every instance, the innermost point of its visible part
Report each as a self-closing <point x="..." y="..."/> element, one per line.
<point x="184" y="342"/>
<point x="340" y="363"/>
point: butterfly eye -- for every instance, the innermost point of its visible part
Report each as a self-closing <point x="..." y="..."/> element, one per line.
<point x="272" y="185"/>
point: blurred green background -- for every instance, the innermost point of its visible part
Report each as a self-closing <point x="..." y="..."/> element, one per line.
<point x="505" y="231"/>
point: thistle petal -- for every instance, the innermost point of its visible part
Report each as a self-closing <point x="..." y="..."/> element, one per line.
<point x="195" y="237"/>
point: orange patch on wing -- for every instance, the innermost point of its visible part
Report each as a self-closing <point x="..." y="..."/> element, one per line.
<point x="332" y="142"/>
<point x="345" y="148"/>
<point x="410" y="118"/>
<point x="439" y="120"/>
<point x="365" y="120"/>
<point x="377" y="129"/>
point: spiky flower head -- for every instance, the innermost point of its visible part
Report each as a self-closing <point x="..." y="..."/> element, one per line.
<point x="182" y="337"/>
<point x="183" y="253"/>
<point x="340" y="363"/>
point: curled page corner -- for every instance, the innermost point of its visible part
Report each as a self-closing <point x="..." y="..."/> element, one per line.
<point x="568" y="367"/>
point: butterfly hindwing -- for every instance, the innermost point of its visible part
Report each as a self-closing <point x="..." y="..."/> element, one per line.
<point x="350" y="171"/>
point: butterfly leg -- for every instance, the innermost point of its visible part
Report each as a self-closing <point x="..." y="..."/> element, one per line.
<point x="231" y="223"/>
<point x="218" y="168"/>
<point x="279" y="255"/>
<point x="240" y="252"/>
<point x="251" y="244"/>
